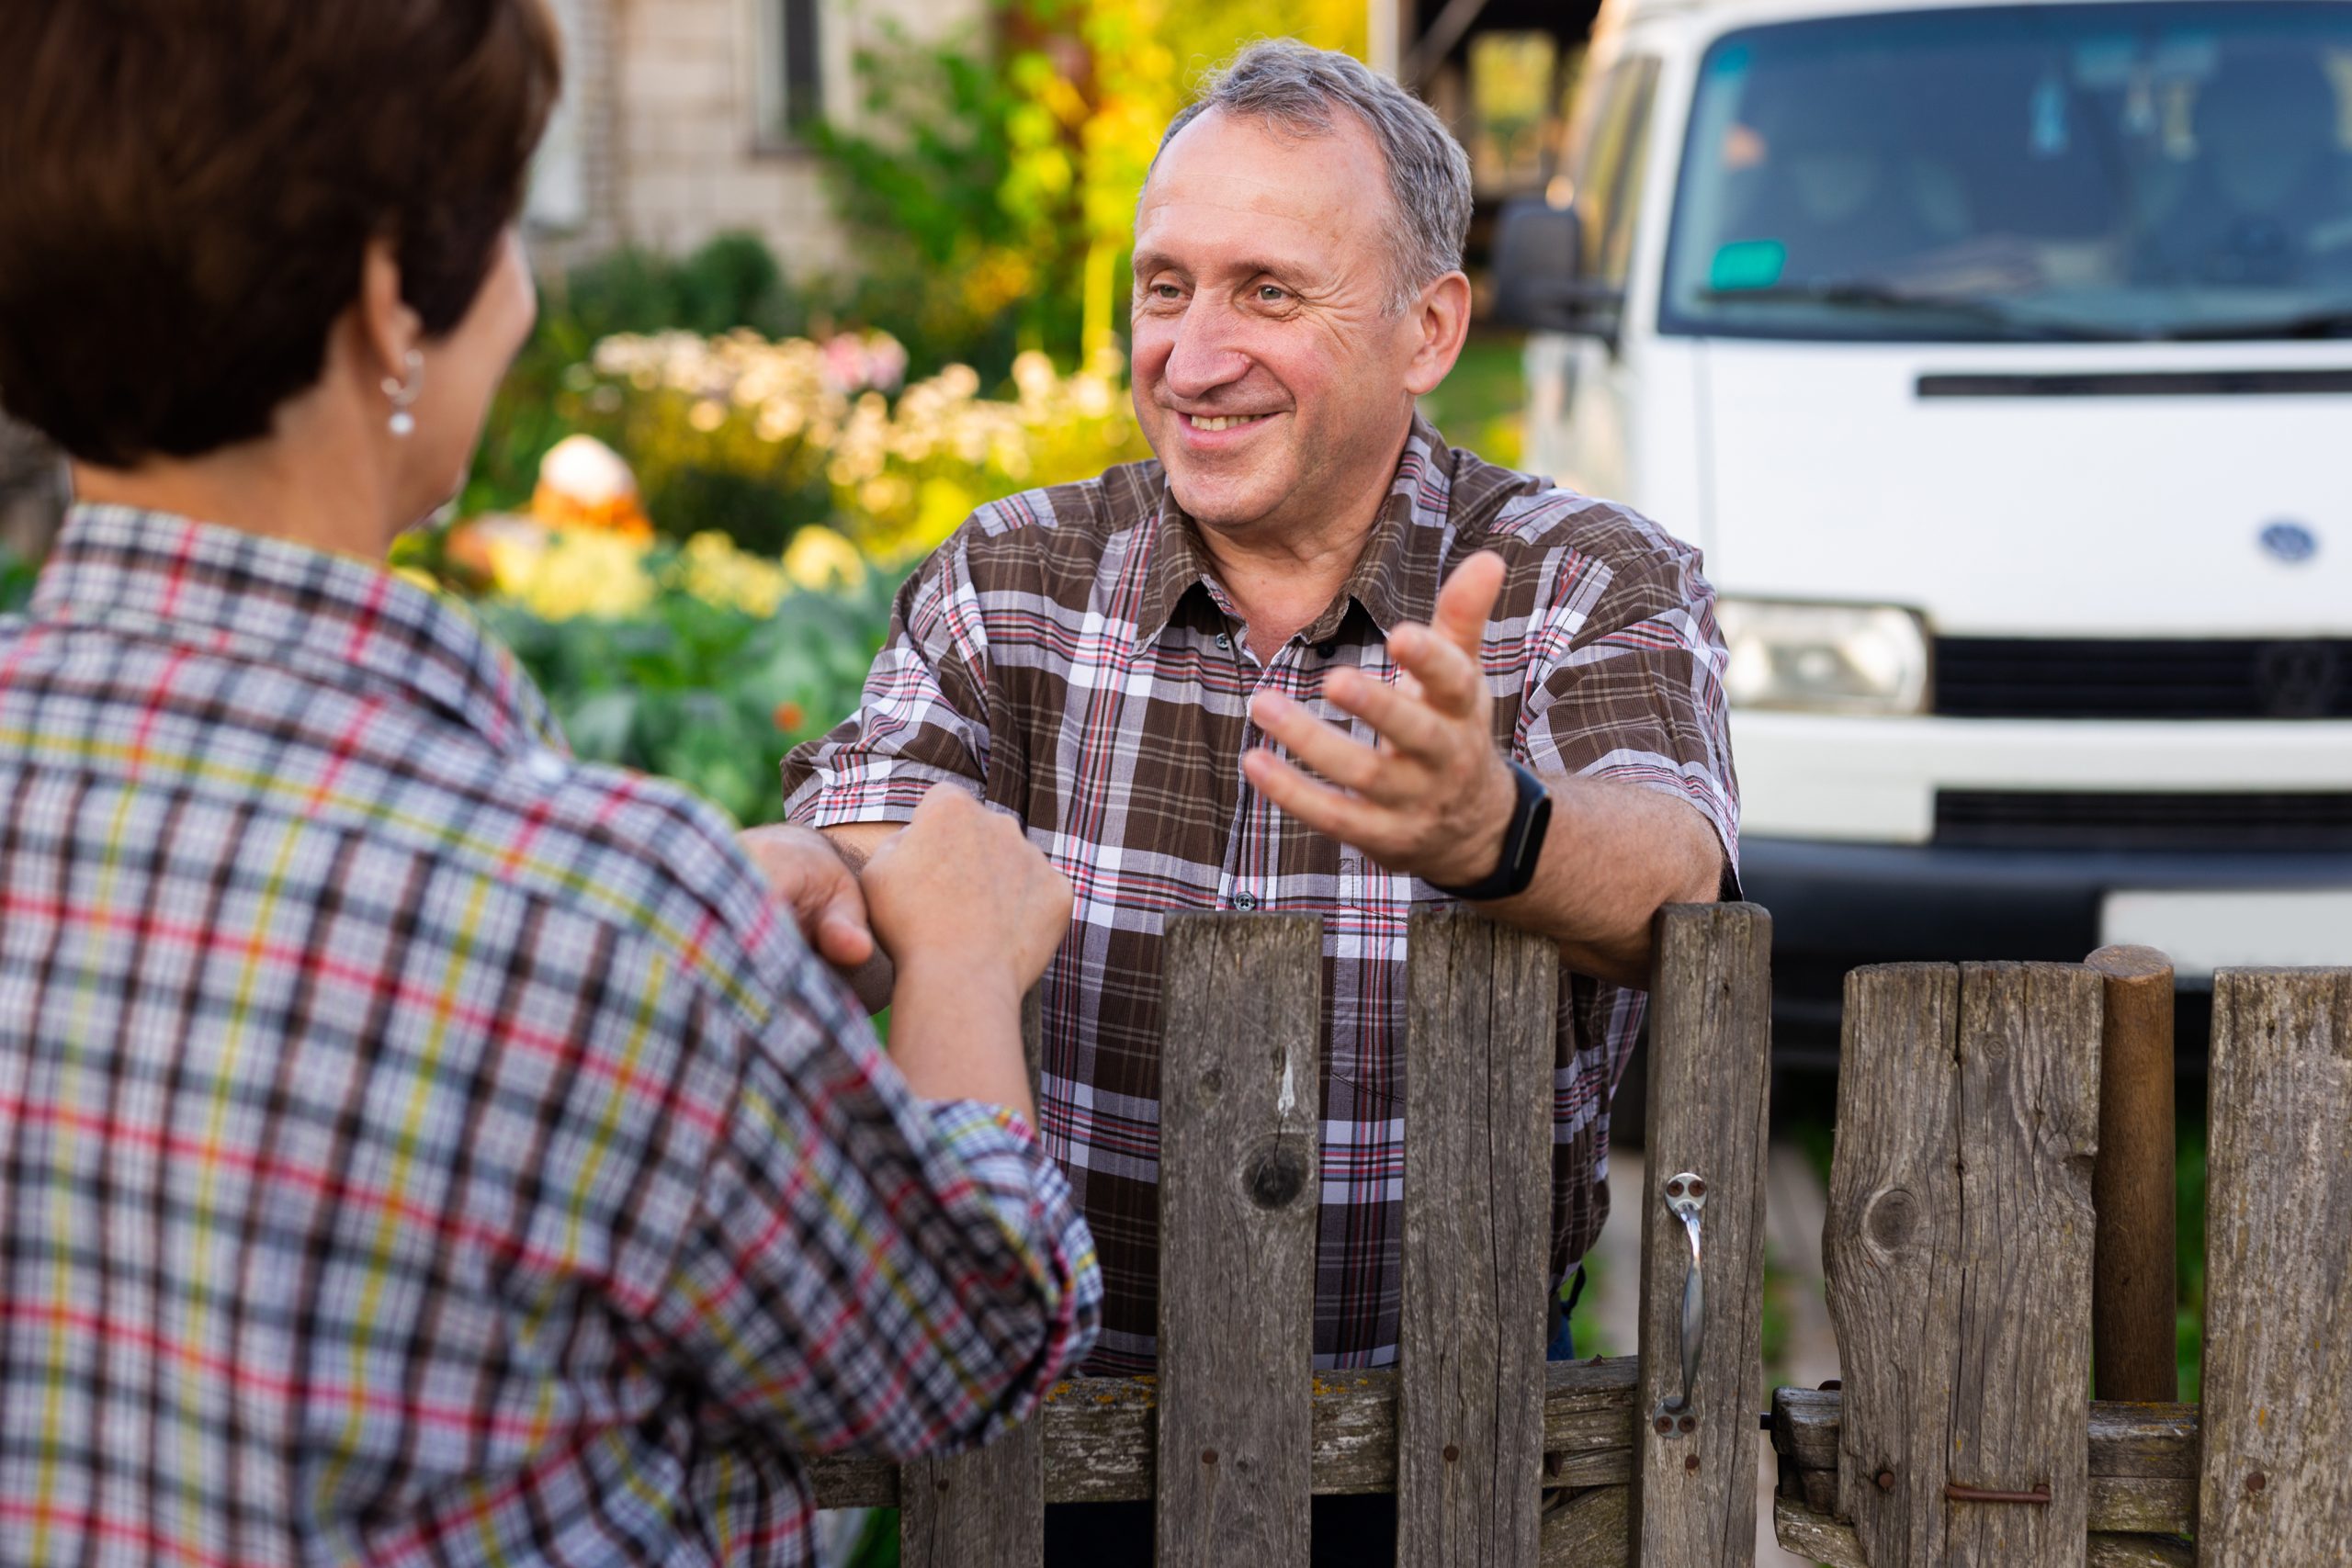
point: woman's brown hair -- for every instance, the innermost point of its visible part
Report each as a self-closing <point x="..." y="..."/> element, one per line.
<point x="188" y="187"/>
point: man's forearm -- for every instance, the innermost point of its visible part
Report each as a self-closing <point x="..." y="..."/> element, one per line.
<point x="1613" y="856"/>
<point x="856" y="841"/>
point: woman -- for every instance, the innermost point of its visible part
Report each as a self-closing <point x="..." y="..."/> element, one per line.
<point x="415" y="1144"/>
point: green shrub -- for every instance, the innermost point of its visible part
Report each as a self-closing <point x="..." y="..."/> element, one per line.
<point x="708" y="695"/>
<point x="15" y="583"/>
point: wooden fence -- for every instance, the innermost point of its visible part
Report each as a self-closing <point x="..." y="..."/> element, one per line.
<point x="1968" y="1180"/>
<point x="1970" y="1211"/>
<point x="1497" y="1458"/>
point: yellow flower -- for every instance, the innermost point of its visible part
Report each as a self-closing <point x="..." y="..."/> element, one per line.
<point x="582" y="572"/>
<point x="716" y="572"/>
<point x="822" y="561"/>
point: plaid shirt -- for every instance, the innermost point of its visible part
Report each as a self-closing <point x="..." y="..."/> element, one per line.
<point x="418" y="1146"/>
<point x="1069" y="654"/>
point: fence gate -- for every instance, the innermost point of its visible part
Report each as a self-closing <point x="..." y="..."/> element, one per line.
<point x="1498" y="1459"/>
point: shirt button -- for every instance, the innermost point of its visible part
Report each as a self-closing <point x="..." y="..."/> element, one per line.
<point x="1327" y="647"/>
<point x="1245" y="900"/>
<point x="1224" y="640"/>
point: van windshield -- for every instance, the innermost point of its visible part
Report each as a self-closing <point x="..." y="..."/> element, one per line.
<point x="2110" y="171"/>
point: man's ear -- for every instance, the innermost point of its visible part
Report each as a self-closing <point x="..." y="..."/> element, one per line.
<point x="1439" y="322"/>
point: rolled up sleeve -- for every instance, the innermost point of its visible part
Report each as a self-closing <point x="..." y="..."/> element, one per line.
<point x="1631" y="686"/>
<point x="922" y="719"/>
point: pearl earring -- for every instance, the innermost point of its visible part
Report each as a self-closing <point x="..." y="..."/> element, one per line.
<point x="404" y="395"/>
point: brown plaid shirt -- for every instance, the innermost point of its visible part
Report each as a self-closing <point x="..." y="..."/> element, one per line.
<point x="1069" y="655"/>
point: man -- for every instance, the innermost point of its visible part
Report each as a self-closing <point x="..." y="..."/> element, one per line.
<point x="1310" y="660"/>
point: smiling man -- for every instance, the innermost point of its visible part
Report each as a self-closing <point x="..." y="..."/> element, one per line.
<point x="1311" y="660"/>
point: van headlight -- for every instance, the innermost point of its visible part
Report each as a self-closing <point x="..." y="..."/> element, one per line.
<point x="1824" y="658"/>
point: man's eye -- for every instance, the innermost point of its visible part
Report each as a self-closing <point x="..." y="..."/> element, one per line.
<point x="1268" y="294"/>
<point x="1166" y="291"/>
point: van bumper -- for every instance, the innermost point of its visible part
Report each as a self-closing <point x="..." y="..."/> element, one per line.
<point x="1836" y="905"/>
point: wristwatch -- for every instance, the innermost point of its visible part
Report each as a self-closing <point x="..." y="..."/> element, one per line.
<point x="1522" y="841"/>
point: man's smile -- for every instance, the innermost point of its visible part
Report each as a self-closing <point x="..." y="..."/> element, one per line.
<point x="1213" y="424"/>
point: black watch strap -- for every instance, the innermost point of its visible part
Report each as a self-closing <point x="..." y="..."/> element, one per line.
<point x="1523" y="841"/>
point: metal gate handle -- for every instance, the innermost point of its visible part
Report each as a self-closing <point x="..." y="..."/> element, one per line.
<point x="1686" y="1194"/>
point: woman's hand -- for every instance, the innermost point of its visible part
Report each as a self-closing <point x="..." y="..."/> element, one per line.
<point x="963" y="887"/>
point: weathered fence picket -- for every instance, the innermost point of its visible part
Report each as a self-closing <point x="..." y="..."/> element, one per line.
<point x="1481" y="1004"/>
<point x="1709" y="1096"/>
<point x="1958" y="1252"/>
<point x="2278" y="1380"/>
<point x="1238" y="1192"/>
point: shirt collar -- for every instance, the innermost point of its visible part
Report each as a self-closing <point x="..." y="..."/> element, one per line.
<point x="344" y="621"/>
<point x="1396" y="577"/>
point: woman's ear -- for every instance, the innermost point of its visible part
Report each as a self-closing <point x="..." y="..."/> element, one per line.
<point x="389" y="330"/>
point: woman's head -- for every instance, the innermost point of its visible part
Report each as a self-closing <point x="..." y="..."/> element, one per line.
<point x="222" y="217"/>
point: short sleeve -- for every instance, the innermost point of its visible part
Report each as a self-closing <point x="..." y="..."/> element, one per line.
<point x="1632" y="689"/>
<point x="922" y="719"/>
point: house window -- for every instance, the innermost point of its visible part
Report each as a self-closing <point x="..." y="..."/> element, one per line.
<point x="789" y="91"/>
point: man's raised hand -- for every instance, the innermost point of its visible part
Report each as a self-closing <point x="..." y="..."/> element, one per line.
<point x="1434" y="798"/>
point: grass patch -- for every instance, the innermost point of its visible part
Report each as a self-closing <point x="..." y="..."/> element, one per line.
<point x="1483" y="403"/>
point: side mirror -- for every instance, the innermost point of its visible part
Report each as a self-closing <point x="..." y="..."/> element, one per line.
<point x="1539" y="254"/>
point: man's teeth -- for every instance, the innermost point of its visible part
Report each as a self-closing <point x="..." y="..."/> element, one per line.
<point x="1201" y="421"/>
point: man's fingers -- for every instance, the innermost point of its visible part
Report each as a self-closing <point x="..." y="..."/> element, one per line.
<point x="1347" y="818"/>
<point x="1326" y="747"/>
<point x="1466" y="602"/>
<point x="1449" y="679"/>
<point x="1402" y="718"/>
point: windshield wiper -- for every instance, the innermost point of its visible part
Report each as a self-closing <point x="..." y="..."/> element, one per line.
<point x="1870" y="295"/>
<point x="2329" y="321"/>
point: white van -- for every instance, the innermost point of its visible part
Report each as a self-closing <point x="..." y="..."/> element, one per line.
<point x="1999" y="357"/>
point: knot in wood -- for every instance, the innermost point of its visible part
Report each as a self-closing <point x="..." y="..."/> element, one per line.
<point x="1212" y="1083"/>
<point x="1275" y="1173"/>
<point x="1893" y="1218"/>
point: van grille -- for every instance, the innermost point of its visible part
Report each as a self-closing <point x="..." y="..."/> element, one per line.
<point x="2088" y="678"/>
<point x="2032" y="820"/>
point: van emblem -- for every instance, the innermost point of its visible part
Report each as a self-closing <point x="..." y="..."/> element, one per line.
<point x="2289" y="541"/>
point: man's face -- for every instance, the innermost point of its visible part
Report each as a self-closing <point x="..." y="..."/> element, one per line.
<point x="1261" y="296"/>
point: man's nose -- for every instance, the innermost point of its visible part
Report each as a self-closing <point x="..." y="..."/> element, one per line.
<point x="1206" y="355"/>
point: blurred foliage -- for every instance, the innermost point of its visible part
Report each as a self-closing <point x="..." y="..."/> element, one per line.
<point x="692" y="661"/>
<point x="994" y="200"/>
<point x="1483" y="403"/>
<point x="755" y="439"/>
<point x="15" y="583"/>
<point x="2188" y="1323"/>
<point x="733" y="282"/>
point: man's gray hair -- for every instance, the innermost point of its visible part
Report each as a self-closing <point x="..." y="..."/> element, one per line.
<point x="1297" y="87"/>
